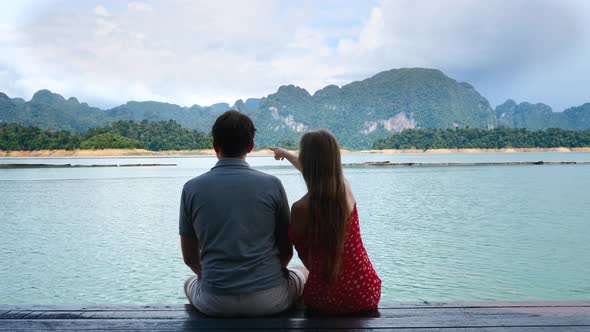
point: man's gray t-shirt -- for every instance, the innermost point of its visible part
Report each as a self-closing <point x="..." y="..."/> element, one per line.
<point x="233" y="211"/>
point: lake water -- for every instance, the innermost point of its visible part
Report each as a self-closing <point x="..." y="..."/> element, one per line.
<point x="110" y="235"/>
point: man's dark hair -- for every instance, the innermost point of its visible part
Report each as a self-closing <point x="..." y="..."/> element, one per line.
<point x="233" y="132"/>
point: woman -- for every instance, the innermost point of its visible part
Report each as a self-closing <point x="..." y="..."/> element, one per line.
<point x="325" y="231"/>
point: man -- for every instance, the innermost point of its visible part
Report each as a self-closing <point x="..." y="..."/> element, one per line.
<point x="234" y="231"/>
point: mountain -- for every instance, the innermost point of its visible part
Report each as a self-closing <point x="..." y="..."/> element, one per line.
<point x="577" y="118"/>
<point x="358" y="113"/>
<point x="527" y="115"/>
<point x="541" y="116"/>
<point x="51" y="110"/>
<point x="8" y="108"/>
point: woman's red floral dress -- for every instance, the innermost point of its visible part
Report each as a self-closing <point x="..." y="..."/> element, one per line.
<point x="357" y="287"/>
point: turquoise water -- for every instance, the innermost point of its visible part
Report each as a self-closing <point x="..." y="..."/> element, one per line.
<point x="109" y="235"/>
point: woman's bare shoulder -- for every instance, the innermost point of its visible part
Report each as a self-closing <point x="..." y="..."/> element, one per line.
<point x="299" y="212"/>
<point x="301" y="205"/>
<point x="350" y="200"/>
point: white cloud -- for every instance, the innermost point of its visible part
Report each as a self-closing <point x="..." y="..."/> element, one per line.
<point x="104" y="27"/>
<point x="501" y="47"/>
<point x="372" y="36"/>
<point x="183" y="55"/>
<point x="100" y="10"/>
<point x="140" y="6"/>
<point x="211" y="51"/>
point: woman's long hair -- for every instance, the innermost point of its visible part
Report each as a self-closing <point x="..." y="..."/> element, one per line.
<point x="321" y="166"/>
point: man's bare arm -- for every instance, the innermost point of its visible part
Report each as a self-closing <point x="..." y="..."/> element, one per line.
<point x="191" y="254"/>
<point x="298" y="213"/>
<point x="283" y="217"/>
<point x="285" y="246"/>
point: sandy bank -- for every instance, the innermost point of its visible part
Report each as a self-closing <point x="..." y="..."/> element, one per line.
<point x="508" y="150"/>
<point x="101" y="153"/>
<point x="141" y="152"/>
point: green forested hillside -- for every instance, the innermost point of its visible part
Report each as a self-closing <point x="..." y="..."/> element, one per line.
<point x="501" y="137"/>
<point x="16" y="137"/>
<point x="195" y="117"/>
<point x="51" y="110"/>
<point x="169" y="135"/>
<point x="110" y="141"/>
<point x="527" y="115"/>
<point x="540" y="116"/>
<point x="155" y="136"/>
<point x="577" y="118"/>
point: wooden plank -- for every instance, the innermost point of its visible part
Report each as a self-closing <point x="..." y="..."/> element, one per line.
<point x="383" y="313"/>
<point x="484" y="329"/>
<point x="33" y="315"/>
<point x="485" y="304"/>
<point x="476" y="316"/>
<point x="63" y="325"/>
<point x="15" y="314"/>
<point x="392" y="305"/>
<point x="109" y="307"/>
<point x="444" y="319"/>
<point x="498" y="329"/>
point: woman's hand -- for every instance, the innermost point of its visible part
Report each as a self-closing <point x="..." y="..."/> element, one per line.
<point x="280" y="153"/>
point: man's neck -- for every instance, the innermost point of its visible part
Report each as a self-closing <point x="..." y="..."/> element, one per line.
<point x="221" y="156"/>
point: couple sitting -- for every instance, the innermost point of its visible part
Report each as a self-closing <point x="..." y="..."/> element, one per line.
<point x="237" y="233"/>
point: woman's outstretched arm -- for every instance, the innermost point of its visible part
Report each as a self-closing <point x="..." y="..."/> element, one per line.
<point x="281" y="154"/>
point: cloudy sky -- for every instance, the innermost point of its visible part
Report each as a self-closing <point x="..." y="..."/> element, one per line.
<point x="200" y="52"/>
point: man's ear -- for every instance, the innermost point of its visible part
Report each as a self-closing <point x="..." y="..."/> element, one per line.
<point x="250" y="146"/>
<point x="215" y="146"/>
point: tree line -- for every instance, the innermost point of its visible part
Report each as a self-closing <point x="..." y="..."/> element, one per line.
<point x="155" y="136"/>
<point x="169" y="135"/>
<point x="474" y="138"/>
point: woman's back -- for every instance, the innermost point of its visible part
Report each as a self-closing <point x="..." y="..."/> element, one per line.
<point x="325" y="231"/>
<point x="355" y="288"/>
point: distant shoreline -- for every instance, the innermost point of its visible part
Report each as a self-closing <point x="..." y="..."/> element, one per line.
<point x="210" y="152"/>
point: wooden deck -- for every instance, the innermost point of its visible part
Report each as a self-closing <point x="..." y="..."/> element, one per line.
<point x="464" y="316"/>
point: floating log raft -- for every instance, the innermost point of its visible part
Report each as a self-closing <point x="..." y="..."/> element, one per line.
<point x="485" y="163"/>
<point x="78" y="165"/>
